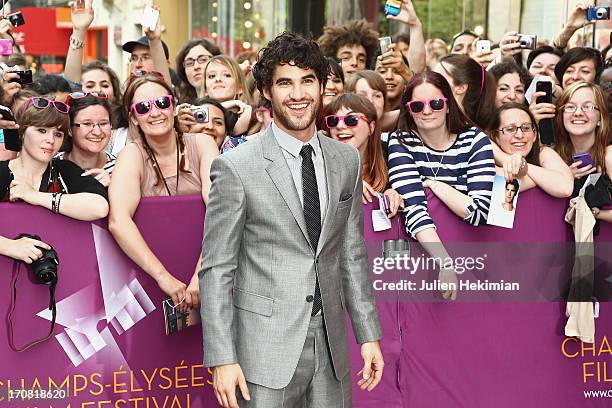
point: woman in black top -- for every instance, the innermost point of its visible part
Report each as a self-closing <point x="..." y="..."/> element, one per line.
<point x="34" y="177"/>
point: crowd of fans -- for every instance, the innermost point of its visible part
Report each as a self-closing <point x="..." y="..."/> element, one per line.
<point x="423" y="115"/>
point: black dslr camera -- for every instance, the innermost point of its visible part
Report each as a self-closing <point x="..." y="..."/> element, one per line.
<point x="44" y="268"/>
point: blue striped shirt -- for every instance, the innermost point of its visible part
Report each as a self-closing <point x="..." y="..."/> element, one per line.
<point x="467" y="165"/>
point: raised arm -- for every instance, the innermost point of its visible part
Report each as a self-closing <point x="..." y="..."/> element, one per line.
<point x="81" y="20"/>
<point x="160" y="62"/>
<point x="575" y="21"/>
<point x="125" y="196"/>
<point x="416" y="51"/>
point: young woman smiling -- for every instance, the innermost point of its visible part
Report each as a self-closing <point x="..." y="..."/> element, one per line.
<point x="521" y="155"/>
<point x="90" y="121"/>
<point x="160" y="162"/>
<point x="438" y="147"/>
<point x="352" y="119"/>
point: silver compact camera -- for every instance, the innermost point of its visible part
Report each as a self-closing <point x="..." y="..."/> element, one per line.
<point x="528" y="41"/>
<point x="200" y="113"/>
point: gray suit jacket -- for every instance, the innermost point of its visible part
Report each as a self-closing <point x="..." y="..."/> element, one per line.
<point x="258" y="266"/>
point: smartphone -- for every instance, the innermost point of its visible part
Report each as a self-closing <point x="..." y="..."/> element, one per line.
<point x="546" y="126"/>
<point x="528" y="41"/>
<point x="387" y="205"/>
<point x="150" y="17"/>
<point x="393" y="7"/>
<point x="11" y="136"/>
<point x="384" y="43"/>
<point x="6" y="47"/>
<point x="585" y="158"/>
<point x="25" y="77"/>
<point x="16" y="19"/>
<point x="483" y="46"/>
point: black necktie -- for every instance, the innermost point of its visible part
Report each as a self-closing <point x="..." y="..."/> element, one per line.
<point x="312" y="212"/>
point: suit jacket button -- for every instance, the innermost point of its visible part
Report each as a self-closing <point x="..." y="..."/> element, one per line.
<point x="309" y="298"/>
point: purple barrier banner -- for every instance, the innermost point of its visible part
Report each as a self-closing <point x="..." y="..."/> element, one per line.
<point x="110" y="349"/>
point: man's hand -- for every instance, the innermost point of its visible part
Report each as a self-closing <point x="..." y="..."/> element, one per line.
<point x="373" y="366"/>
<point x="225" y="379"/>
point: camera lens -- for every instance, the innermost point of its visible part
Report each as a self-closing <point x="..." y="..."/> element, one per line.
<point x="199" y="116"/>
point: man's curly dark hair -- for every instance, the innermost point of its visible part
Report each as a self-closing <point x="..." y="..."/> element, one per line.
<point x="352" y="32"/>
<point x="289" y="48"/>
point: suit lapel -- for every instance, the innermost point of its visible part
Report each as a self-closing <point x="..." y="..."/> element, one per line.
<point x="333" y="187"/>
<point x="279" y="172"/>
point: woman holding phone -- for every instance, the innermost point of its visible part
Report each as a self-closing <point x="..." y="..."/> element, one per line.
<point x="582" y="126"/>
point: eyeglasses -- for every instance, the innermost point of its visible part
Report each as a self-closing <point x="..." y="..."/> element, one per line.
<point x="143" y="58"/>
<point x="351" y="120"/>
<point x="80" y="95"/>
<point x="418" y="105"/>
<point x="42" y="103"/>
<point x="201" y="59"/>
<point x="511" y="130"/>
<point x="145" y="106"/>
<point x="90" y="126"/>
<point x="587" y="107"/>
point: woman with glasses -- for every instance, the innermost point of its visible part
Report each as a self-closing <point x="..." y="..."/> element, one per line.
<point x="582" y="126"/>
<point x="90" y="121"/>
<point x="437" y="147"/>
<point x="352" y="119"/>
<point x="522" y="157"/>
<point x="190" y="63"/>
<point x="161" y="161"/>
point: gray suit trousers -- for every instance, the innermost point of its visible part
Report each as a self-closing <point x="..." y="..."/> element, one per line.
<point x="313" y="385"/>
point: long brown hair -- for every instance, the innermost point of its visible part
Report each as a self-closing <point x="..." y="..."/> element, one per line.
<point x="128" y="99"/>
<point x="374" y="166"/>
<point x="533" y="157"/>
<point x="456" y="121"/>
<point x="479" y="100"/>
<point x="564" y="144"/>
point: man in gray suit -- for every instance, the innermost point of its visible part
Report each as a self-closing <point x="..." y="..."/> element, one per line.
<point x="283" y="252"/>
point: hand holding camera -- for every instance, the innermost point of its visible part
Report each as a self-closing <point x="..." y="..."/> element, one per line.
<point x="25" y="249"/>
<point x="578" y="16"/>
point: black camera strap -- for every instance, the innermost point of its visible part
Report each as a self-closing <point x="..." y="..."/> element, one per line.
<point x="52" y="307"/>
